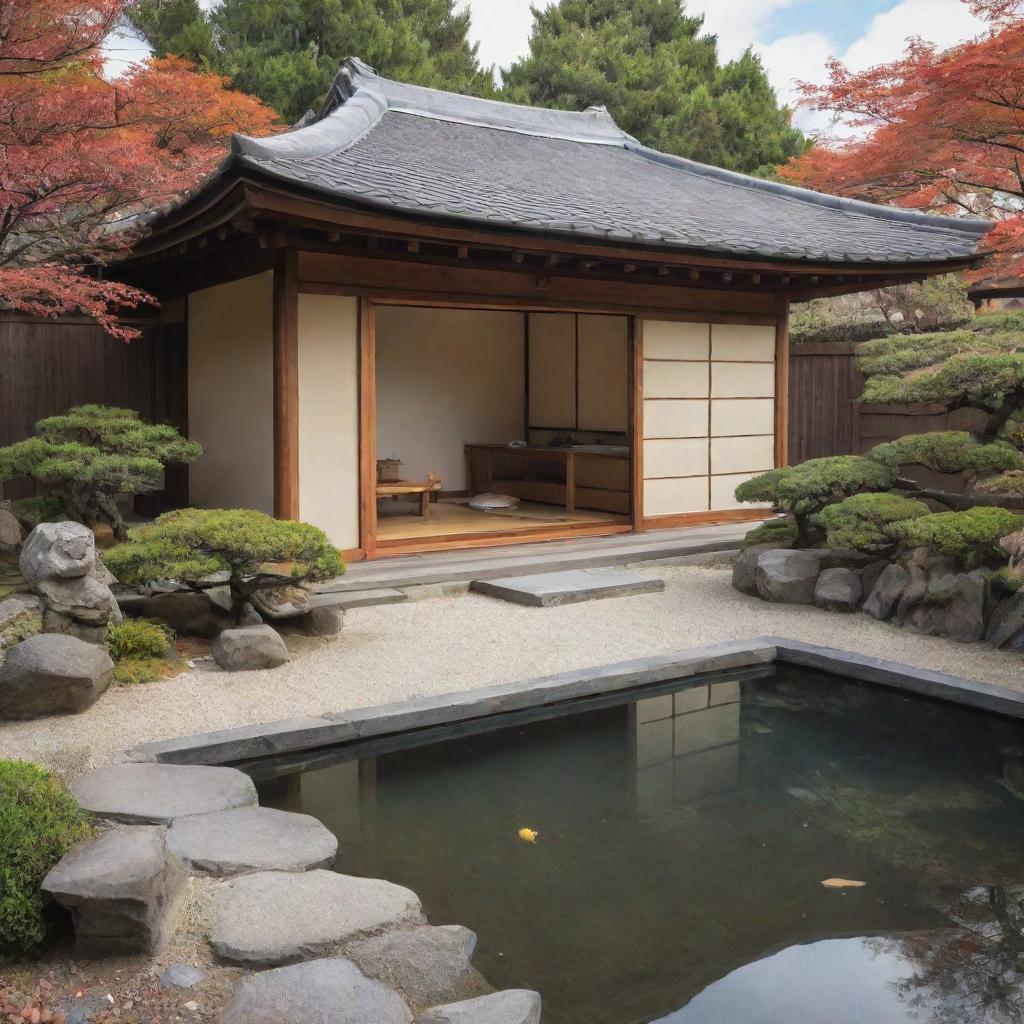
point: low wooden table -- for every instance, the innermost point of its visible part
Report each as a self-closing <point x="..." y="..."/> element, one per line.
<point x="396" y="489"/>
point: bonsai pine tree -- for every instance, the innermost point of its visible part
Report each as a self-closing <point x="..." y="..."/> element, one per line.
<point x="804" y="490"/>
<point x="199" y="547"/>
<point x="87" y="456"/>
<point x="971" y="536"/>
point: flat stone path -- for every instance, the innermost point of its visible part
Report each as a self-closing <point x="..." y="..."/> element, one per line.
<point x="278" y="917"/>
<point x="251" y="839"/>
<point x="357" y="598"/>
<point x="553" y="588"/>
<point x="156" y="794"/>
<point x="330" y="991"/>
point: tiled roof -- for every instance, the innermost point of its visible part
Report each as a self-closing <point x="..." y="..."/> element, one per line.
<point x="412" y="150"/>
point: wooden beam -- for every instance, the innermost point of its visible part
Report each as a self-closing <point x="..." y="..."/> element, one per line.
<point x="367" y="427"/>
<point x="782" y="388"/>
<point x="286" y="385"/>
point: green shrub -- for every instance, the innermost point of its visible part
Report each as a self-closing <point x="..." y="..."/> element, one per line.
<point x="948" y="451"/>
<point x="138" y="638"/>
<point x="39" y="823"/>
<point x="864" y="521"/>
<point x="30" y="512"/>
<point x="972" y="536"/>
<point x="132" y="671"/>
<point x="255" y="550"/>
<point x="1010" y="484"/>
<point x="779" y="532"/>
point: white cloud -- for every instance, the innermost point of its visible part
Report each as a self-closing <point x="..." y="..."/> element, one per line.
<point x="502" y="28"/>
<point x="737" y="23"/>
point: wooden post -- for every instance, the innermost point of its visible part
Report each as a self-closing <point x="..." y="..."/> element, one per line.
<point x="636" y="422"/>
<point x="367" y="427"/>
<point x="286" y="385"/>
<point x="782" y="386"/>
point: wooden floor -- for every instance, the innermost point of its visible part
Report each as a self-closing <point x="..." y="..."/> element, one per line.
<point x="457" y="519"/>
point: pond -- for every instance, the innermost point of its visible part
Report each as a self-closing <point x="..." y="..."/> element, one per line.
<point x="682" y="842"/>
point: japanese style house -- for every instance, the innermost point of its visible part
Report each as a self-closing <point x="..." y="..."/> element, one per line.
<point x="505" y="299"/>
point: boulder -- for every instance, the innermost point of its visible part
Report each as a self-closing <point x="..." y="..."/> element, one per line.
<point x="57" y="551"/>
<point x="427" y="965"/>
<point x="188" y="613"/>
<point x="10" y="530"/>
<point x="513" y="1006"/>
<point x="886" y="592"/>
<point x="121" y="890"/>
<point x="838" y="590"/>
<point x="54" y="622"/>
<point x="965" y="610"/>
<point x="329" y="991"/>
<point x="843" y="558"/>
<point x="323" y="621"/>
<point x="870" y="573"/>
<point x="787" y="576"/>
<point x="252" y="839"/>
<point x="249" y="647"/>
<point x="85" y="599"/>
<point x="159" y="793"/>
<point x="50" y="674"/>
<point x="745" y="566"/>
<point x="285" y="602"/>
<point x="1006" y="626"/>
<point x="249" y="616"/>
<point x="280" y="917"/>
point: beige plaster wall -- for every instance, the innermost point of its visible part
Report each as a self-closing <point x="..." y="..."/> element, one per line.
<point x="552" y="370"/>
<point x="446" y="377"/>
<point x="709" y="413"/>
<point x="329" y="416"/>
<point x="230" y="394"/>
<point x="603" y="373"/>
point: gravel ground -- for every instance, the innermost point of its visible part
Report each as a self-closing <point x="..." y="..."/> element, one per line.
<point x="447" y="644"/>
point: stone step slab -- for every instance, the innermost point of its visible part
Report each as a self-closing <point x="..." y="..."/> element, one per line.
<point x="513" y="1006"/>
<point x="427" y="965"/>
<point x="357" y="598"/>
<point x="121" y="890"/>
<point x="251" y="839"/>
<point x="329" y="991"/>
<point x="156" y="794"/>
<point x="277" y="917"/>
<point x="570" y="587"/>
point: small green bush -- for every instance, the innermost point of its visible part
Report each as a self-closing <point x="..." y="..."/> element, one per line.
<point x="972" y="536"/>
<point x="30" y="512"/>
<point x="780" y="532"/>
<point x="39" y="822"/>
<point x="864" y="521"/>
<point x="948" y="451"/>
<point x="138" y="638"/>
<point x="132" y="671"/>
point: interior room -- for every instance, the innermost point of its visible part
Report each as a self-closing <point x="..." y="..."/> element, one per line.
<point x="500" y="422"/>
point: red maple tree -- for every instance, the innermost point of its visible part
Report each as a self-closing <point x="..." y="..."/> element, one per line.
<point x="938" y="129"/>
<point x="81" y="156"/>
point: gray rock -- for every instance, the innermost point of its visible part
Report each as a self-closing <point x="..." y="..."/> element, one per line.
<point x="54" y="622"/>
<point x="744" y="568"/>
<point x="57" y="550"/>
<point x="121" y="890"/>
<point x="10" y="530"/>
<point x="159" y="793"/>
<point x="83" y="598"/>
<point x="787" y="576"/>
<point x="1006" y="626"/>
<point x="17" y="604"/>
<point x="51" y="674"/>
<point x="838" y="590"/>
<point x="285" y="602"/>
<point x="843" y="558"/>
<point x="85" y="1008"/>
<point x="187" y="612"/>
<point x="513" y="1006"/>
<point x="221" y="597"/>
<point x="251" y="839"/>
<point x="182" y="976"/>
<point x="249" y="616"/>
<point x="330" y="991"/>
<point x="965" y="610"/>
<point x="886" y="592"/>
<point x="279" y="917"/>
<point x="427" y="965"/>
<point x="326" y="621"/>
<point x="870" y="573"/>
<point x="249" y="647"/>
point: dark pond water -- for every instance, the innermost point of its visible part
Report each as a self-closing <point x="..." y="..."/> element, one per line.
<point x="682" y="842"/>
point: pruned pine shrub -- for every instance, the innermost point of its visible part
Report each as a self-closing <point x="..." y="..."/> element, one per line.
<point x="865" y="521"/>
<point x="971" y="537"/>
<point x="39" y="822"/>
<point x="780" y="533"/>
<point x="948" y="451"/>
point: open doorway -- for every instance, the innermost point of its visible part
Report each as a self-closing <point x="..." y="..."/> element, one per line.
<point x="500" y="424"/>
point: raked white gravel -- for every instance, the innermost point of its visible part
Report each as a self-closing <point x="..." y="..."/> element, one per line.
<point x="447" y="644"/>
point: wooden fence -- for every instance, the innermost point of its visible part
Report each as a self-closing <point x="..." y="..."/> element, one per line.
<point x="47" y="366"/>
<point x="825" y="417"/>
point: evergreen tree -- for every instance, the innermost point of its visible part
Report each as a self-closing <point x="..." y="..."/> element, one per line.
<point x="288" y="51"/>
<point x="646" y="61"/>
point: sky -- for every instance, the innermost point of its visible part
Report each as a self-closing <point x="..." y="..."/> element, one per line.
<point x="793" y="37"/>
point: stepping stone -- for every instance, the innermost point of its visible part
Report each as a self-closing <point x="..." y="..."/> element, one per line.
<point x="551" y="588"/>
<point x="278" y="917"/>
<point x="319" y="992"/>
<point x="121" y="890"/>
<point x="427" y="965"/>
<point x="513" y="1006"/>
<point x="251" y="839"/>
<point x="357" y="598"/>
<point x="156" y="794"/>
